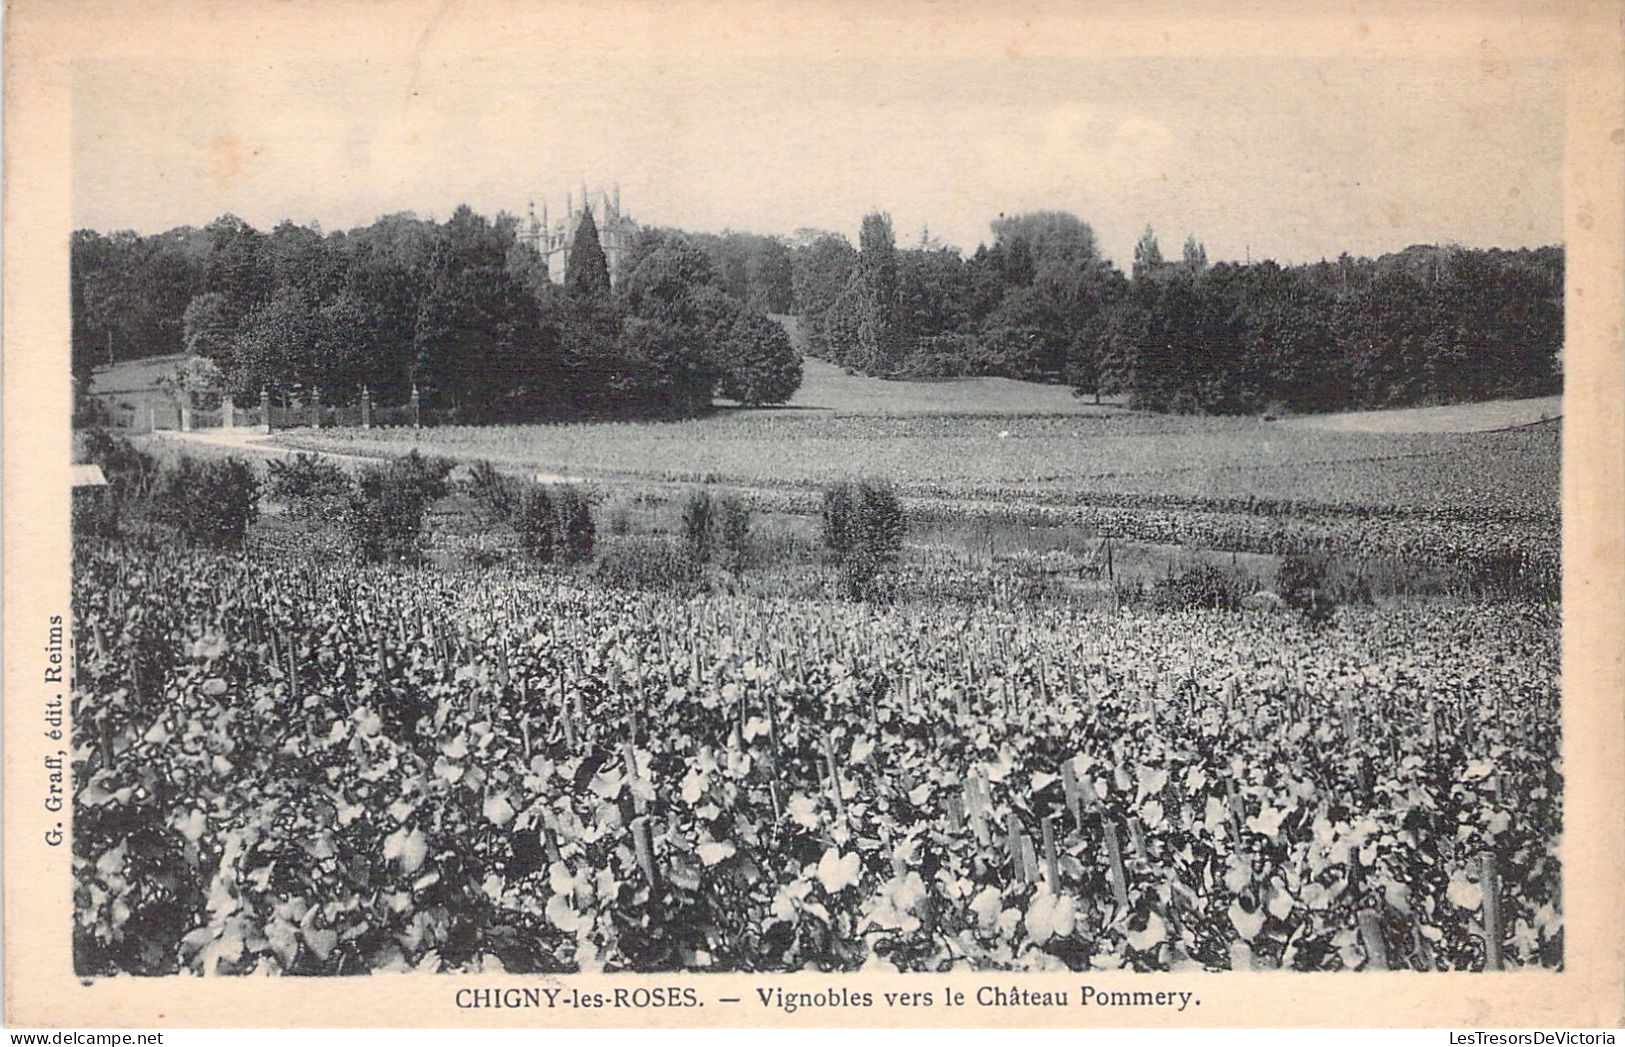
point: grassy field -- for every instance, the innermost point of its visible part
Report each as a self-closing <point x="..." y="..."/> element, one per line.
<point x="1447" y="418"/>
<point x="1169" y="487"/>
<point x="1057" y="459"/>
<point x="826" y="388"/>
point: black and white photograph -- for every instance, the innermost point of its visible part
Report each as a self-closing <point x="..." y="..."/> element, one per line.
<point x="617" y="496"/>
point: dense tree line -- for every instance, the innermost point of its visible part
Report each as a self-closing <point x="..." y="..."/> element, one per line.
<point x="460" y="310"/>
<point x="1429" y="324"/>
<point x="466" y="313"/>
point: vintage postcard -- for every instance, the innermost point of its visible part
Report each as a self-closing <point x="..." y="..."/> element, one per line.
<point x="819" y="514"/>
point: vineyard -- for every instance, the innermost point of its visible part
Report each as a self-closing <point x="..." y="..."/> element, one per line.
<point x="285" y="766"/>
<point x="1482" y="503"/>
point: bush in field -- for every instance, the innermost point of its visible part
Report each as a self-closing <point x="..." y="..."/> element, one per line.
<point x="1198" y="585"/>
<point x="733" y="530"/>
<point x="555" y="525"/>
<point x="715" y="528"/>
<point x="497" y="497"/>
<point x="648" y="563"/>
<point x="620" y="519"/>
<point x="211" y="503"/>
<point x="863" y="524"/>
<point x="307" y="483"/>
<point x="386" y="511"/>
<point x="699" y="518"/>
<point x="577" y="533"/>
<point x="131" y="472"/>
<point x="538" y="530"/>
<point x="1303" y="581"/>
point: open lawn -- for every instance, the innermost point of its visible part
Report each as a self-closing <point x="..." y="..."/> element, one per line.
<point x="1447" y="418"/>
<point x="1058" y="460"/>
<point x="826" y="388"/>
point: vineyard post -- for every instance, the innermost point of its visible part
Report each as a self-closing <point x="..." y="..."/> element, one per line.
<point x="565" y="717"/>
<point x="630" y="753"/>
<point x="977" y="804"/>
<point x="643" y="849"/>
<point x="1114" y="852"/>
<point x="1051" y="859"/>
<point x="1233" y="804"/>
<point x="1376" y="952"/>
<point x="293" y="669"/>
<point x="104" y="741"/>
<point x="1029" y="859"/>
<point x="1490" y="886"/>
<point x="1069" y="783"/>
<point x="834" y="776"/>
<point x="1012" y="844"/>
<point x="549" y="844"/>
<point x="773" y="767"/>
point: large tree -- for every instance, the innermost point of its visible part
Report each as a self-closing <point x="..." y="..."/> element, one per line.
<point x="1147" y="255"/>
<point x="207" y="326"/>
<point x="587" y="274"/>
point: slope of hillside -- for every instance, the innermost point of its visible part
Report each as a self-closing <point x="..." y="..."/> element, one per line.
<point x="1448" y="418"/>
<point x="826" y="387"/>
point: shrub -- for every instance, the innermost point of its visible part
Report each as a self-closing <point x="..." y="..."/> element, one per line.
<point x="211" y="503"/>
<point x="1302" y="581"/>
<point x="620" y="519"/>
<point x="131" y="476"/>
<point x="431" y="476"/>
<point x="131" y="472"/>
<point x="1199" y="585"/>
<point x="863" y="525"/>
<point x="307" y="483"/>
<point x="385" y="514"/>
<point x="497" y="497"/>
<point x="538" y="530"/>
<point x="733" y="530"/>
<point x="698" y="525"/>
<point x="577" y="533"/>
<point x="649" y="563"/>
<point x="555" y="525"/>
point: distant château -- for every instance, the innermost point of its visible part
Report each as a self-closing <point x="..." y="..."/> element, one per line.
<point x="551" y="237"/>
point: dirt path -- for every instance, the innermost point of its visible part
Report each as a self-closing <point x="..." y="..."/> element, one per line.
<point x="264" y="445"/>
<point x="251" y="441"/>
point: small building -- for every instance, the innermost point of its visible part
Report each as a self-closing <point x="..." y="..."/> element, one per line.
<point x="174" y="391"/>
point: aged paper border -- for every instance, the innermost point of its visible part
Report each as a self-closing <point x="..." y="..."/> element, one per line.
<point x="44" y="38"/>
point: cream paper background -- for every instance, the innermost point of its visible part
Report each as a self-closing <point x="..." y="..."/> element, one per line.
<point x="44" y="41"/>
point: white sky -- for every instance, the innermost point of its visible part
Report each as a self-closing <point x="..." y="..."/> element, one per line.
<point x="1293" y="157"/>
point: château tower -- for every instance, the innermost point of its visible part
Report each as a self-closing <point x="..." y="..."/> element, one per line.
<point x="551" y="237"/>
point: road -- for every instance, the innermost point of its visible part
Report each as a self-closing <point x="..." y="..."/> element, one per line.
<point x="263" y="445"/>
